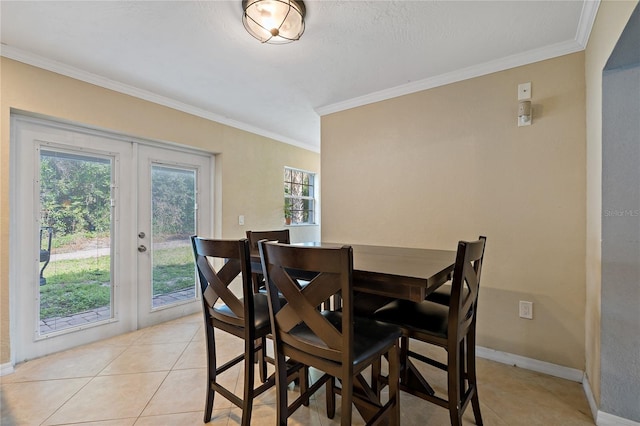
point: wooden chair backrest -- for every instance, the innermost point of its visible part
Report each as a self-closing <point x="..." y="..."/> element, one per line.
<point x="333" y="269"/>
<point x="215" y="284"/>
<point x="466" y="274"/>
<point x="281" y="236"/>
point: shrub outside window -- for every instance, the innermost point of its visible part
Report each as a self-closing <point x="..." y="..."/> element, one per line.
<point x="299" y="196"/>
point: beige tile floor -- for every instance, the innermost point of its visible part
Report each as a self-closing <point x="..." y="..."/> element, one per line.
<point x="156" y="376"/>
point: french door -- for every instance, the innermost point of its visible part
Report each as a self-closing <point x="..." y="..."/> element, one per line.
<point x="100" y="228"/>
<point x="170" y="185"/>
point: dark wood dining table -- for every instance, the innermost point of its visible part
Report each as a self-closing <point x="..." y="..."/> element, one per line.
<point x="394" y="273"/>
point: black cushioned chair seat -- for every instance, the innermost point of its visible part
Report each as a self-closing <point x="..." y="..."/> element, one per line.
<point x="370" y="336"/>
<point x="443" y="294"/>
<point x="260" y="309"/>
<point x="365" y="304"/>
<point x="426" y="317"/>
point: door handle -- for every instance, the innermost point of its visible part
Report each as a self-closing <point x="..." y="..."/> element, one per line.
<point x="142" y="248"/>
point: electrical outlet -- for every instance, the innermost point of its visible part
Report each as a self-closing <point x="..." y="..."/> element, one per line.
<point x="241" y="219"/>
<point x="526" y="309"/>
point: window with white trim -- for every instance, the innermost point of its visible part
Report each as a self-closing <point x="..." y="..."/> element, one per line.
<point x="299" y="196"/>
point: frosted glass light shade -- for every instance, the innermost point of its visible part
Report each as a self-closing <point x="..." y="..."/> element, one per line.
<point x="274" y="21"/>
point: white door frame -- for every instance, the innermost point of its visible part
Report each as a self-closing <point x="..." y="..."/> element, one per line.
<point x="22" y="284"/>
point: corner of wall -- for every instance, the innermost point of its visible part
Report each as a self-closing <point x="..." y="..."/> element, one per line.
<point x="586" y="386"/>
<point x="6" y="369"/>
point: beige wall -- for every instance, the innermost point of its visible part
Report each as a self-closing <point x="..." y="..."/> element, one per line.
<point x="610" y="22"/>
<point x="450" y="163"/>
<point x="248" y="167"/>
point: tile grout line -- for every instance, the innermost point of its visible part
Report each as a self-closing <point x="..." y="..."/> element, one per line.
<point x="67" y="400"/>
<point x="167" y="375"/>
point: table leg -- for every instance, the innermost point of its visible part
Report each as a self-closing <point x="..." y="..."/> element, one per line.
<point x="410" y="378"/>
<point x="366" y="401"/>
<point x="411" y="381"/>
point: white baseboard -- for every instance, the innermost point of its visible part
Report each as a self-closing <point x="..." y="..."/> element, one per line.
<point x="593" y="405"/>
<point x="531" y="364"/>
<point x="6" y="369"/>
<point x="606" y="419"/>
<point x="601" y="418"/>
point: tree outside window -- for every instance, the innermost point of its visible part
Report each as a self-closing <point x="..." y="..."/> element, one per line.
<point x="299" y="196"/>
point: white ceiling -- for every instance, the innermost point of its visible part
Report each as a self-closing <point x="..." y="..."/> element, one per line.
<point x="197" y="57"/>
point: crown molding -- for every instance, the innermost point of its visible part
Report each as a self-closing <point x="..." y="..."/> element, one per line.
<point x="587" y="18"/>
<point x="585" y="24"/>
<point x="490" y="67"/>
<point x="78" y="74"/>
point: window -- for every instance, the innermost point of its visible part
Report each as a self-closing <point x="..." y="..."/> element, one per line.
<point x="299" y="196"/>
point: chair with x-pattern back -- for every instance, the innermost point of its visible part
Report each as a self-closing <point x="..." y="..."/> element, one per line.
<point x="333" y="341"/>
<point x="281" y="235"/>
<point x="246" y="317"/>
<point x="450" y="326"/>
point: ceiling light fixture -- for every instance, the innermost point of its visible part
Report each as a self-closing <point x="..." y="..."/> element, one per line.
<point x="274" y="21"/>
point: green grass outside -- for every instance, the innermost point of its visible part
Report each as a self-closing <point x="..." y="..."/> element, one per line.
<point x="173" y="270"/>
<point x="80" y="285"/>
<point x="71" y="242"/>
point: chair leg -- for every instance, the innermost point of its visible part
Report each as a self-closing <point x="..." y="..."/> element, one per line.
<point x="404" y="359"/>
<point x="346" y="402"/>
<point x="304" y="383"/>
<point x="282" y="408"/>
<point x="475" y="403"/>
<point x="471" y="371"/>
<point x="211" y="372"/>
<point x="376" y="371"/>
<point x="331" y="397"/>
<point x="249" y="377"/>
<point x="262" y="360"/>
<point x="394" y="385"/>
<point x="453" y="384"/>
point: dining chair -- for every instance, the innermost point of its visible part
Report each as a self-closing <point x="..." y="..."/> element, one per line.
<point x="281" y="236"/>
<point x="452" y="327"/>
<point x="442" y="294"/>
<point x="246" y="317"/>
<point x="333" y="341"/>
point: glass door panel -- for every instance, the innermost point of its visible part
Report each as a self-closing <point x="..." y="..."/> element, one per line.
<point x="173" y="200"/>
<point x="75" y="268"/>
